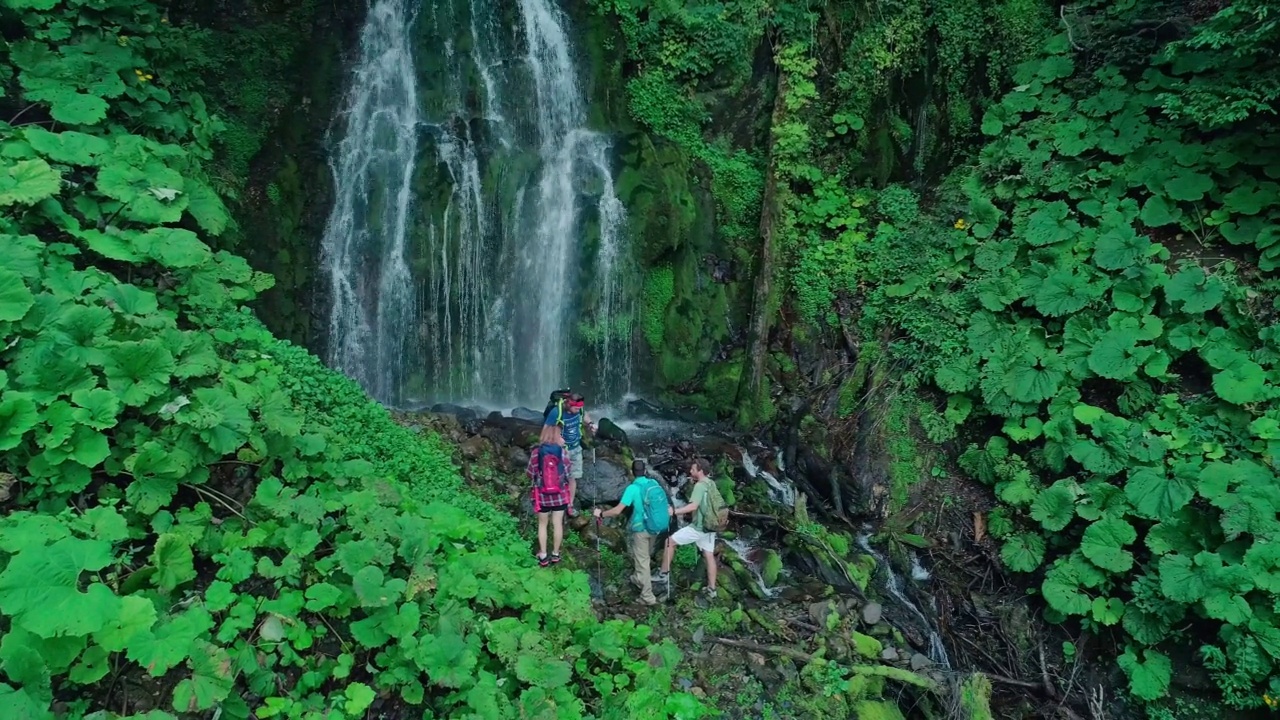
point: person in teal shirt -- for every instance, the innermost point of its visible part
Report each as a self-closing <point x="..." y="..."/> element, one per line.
<point x="641" y="541"/>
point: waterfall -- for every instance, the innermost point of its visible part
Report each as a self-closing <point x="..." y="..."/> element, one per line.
<point x="363" y="250"/>
<point x="510" y="273"/>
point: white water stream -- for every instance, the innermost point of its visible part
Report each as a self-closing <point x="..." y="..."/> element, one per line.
<point x="362" y="252"/>
<point x="479" y="284"/>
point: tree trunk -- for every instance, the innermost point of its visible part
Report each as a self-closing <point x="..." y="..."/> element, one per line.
<point x="751" y="389"/>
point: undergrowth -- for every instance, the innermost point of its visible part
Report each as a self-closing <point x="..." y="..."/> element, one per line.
<point x="199" y="518"/>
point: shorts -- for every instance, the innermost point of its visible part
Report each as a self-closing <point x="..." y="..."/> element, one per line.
<point x="553" y="508"/>
<point x="706" y="541"/>
<point x="575" y="463"/>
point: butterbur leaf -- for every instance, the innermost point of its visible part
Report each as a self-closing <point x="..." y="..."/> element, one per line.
<point x="1120" y="248"/>
<point x="15" y="298"/>
<point x="358" y="699"/>
<point x="1104" y="541"/>
<point x="543" y="672"/>
<point x="207" y="208"/>
<point x="210" y="682"/>
<point x="1049" y="224"/>
<point x="136" y="616"/>
<point x="1242" y="383"/>
<point x="1155" y="495"/>
<point x="1065" y="292"/>
<point x="1033" y="379"/>
<point x="1158" y="212"/>
<point x="18" y="416"/>
<point x="1180" y="580"/>
<point x="1055" y="507"/>
<point x="1149" y="675"/>
<point x="27" y="182"/>
<point x="1023" y="552"/>
<point x="23" y="705"/>
<point x="1113" y="356"/>
<point x="69" y="147"/>
<point x="138" y="370"/>
<point x="1191" y="291"/>
<point x="174" y="562"/>
<point x="40" y="588"/>
<point x="959" y="375"/>
<point x="175" y="247"/>
<point x="1062" y="588"/>
<point x="1107" y="611"/>
<point x="97" y="409"/>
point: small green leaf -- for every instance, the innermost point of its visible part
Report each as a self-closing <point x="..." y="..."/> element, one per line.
<point x="359" y="698"/>
<point x="1055" y="507"/>
<point x="1149" y="678"/>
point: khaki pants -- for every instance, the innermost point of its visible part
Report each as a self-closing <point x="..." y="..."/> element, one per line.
<point x="641" y="551"/>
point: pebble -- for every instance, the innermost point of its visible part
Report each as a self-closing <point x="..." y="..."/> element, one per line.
<point x="920" y="662"/>
<point x="889" y="655"/>
<point x="871" y="613"/>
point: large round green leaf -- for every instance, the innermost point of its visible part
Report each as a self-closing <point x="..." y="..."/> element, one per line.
<point x="17" y="416"/>
<point x="27" y="182"/>
<point x="1104" y="541"/>
<point x="1055" y="507"/>
<point x="15" y="298"/>
<point x="1157" y="496"/>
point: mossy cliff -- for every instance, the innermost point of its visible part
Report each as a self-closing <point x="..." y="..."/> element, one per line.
<point x="280" y="70"/>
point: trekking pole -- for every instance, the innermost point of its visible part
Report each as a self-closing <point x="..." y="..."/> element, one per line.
<point x="595" y="491"/>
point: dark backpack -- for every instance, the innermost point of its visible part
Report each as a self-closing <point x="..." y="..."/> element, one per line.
<point x="549" y="465"/>
<point x="557" y="400"/>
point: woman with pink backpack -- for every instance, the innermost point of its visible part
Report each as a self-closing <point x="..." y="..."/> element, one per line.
<point x="549" y="470"/>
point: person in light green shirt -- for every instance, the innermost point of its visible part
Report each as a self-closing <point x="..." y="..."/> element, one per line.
<point x="694" y="533"/>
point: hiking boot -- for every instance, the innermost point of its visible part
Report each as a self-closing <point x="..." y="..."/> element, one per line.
<point x="543" y="561"/>
<point x="710" y="593"/>
<point x="649" y="603"/>
<point x="555" y="558"/>
<point x="661" y="578"/>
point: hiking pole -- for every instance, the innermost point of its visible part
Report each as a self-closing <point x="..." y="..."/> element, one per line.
<point x="595" y="491"/>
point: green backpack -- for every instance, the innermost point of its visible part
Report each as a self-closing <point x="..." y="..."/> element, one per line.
<point x="716" y="517"/>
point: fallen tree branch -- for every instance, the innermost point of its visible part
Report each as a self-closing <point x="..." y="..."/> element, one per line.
<point x="1016" y="683"/>
<point x="752" y="516"/>
<point x="769" y="649"/>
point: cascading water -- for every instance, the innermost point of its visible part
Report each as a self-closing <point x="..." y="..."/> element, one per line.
<point x="893" y="585"/>
<point x="515" y="278"/>
<point x="363" y="251"/>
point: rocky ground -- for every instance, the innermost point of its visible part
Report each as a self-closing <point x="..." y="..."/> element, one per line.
<point x="811" y="621"/>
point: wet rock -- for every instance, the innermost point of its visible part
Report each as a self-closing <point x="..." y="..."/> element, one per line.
<point x="495" y="415"/>
<point x="818" y="613"/>
<point x="889" y="655"/>
<point x="524" y="413"/>
<point x="872" y="612"/>
<point x="517" y="459"/>
<point x="510" y="431"/>
<point x="609" y="431"/>
<point x="464" y="414"/>
<point x="603" y="481"/>
<point x="920" y="662"/>
<point x="474" y="447"/>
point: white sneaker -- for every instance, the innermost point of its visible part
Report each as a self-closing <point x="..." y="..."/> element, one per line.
<point x="710" y="593"/>
<point x="662" y="578"/>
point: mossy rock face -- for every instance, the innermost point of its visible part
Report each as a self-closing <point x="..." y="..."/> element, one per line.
<point x="867" y="646"/>
<point x="877" y="710"/>
<point x="654" y="187"/>
<point x="721" y="385"/>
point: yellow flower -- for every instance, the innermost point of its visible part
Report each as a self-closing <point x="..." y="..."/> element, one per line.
<point x="164" y="20"/>
<point x="122" y="40"/>
<point x="1270" y="701"/>
<point x="151" y="77"/>
<point x="137" y="72"/>
<point x="960" y="224"/>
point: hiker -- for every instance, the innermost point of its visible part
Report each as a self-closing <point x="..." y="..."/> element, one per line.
<point x="553" y="416"/>
<point x="547" y="468"/>
<point x="710" y="514"/>
<point x="650" y="516"/>
<point x="571" y="422"/>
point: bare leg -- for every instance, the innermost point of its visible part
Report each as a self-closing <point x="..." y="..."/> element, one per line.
<point x="711" y="569"/>
<point x="667" y="555"/>
<point x="542" y="533"/>
<point x="573" y="490"/>
<point x="557" y="530"/>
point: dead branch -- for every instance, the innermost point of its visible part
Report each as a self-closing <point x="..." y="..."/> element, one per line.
<point x="765" y="649"/>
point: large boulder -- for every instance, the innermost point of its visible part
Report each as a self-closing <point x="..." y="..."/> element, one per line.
<point x="464" y="414"/>
<point x="524" y="413"/>
<point x="603" y="481"/>
<point x="609" y="431"/>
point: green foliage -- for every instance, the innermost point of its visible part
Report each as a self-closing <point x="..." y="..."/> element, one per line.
<point x="1131" y="369"/>
<point x="208" y="508"/>
<point x="657" y="293"/>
